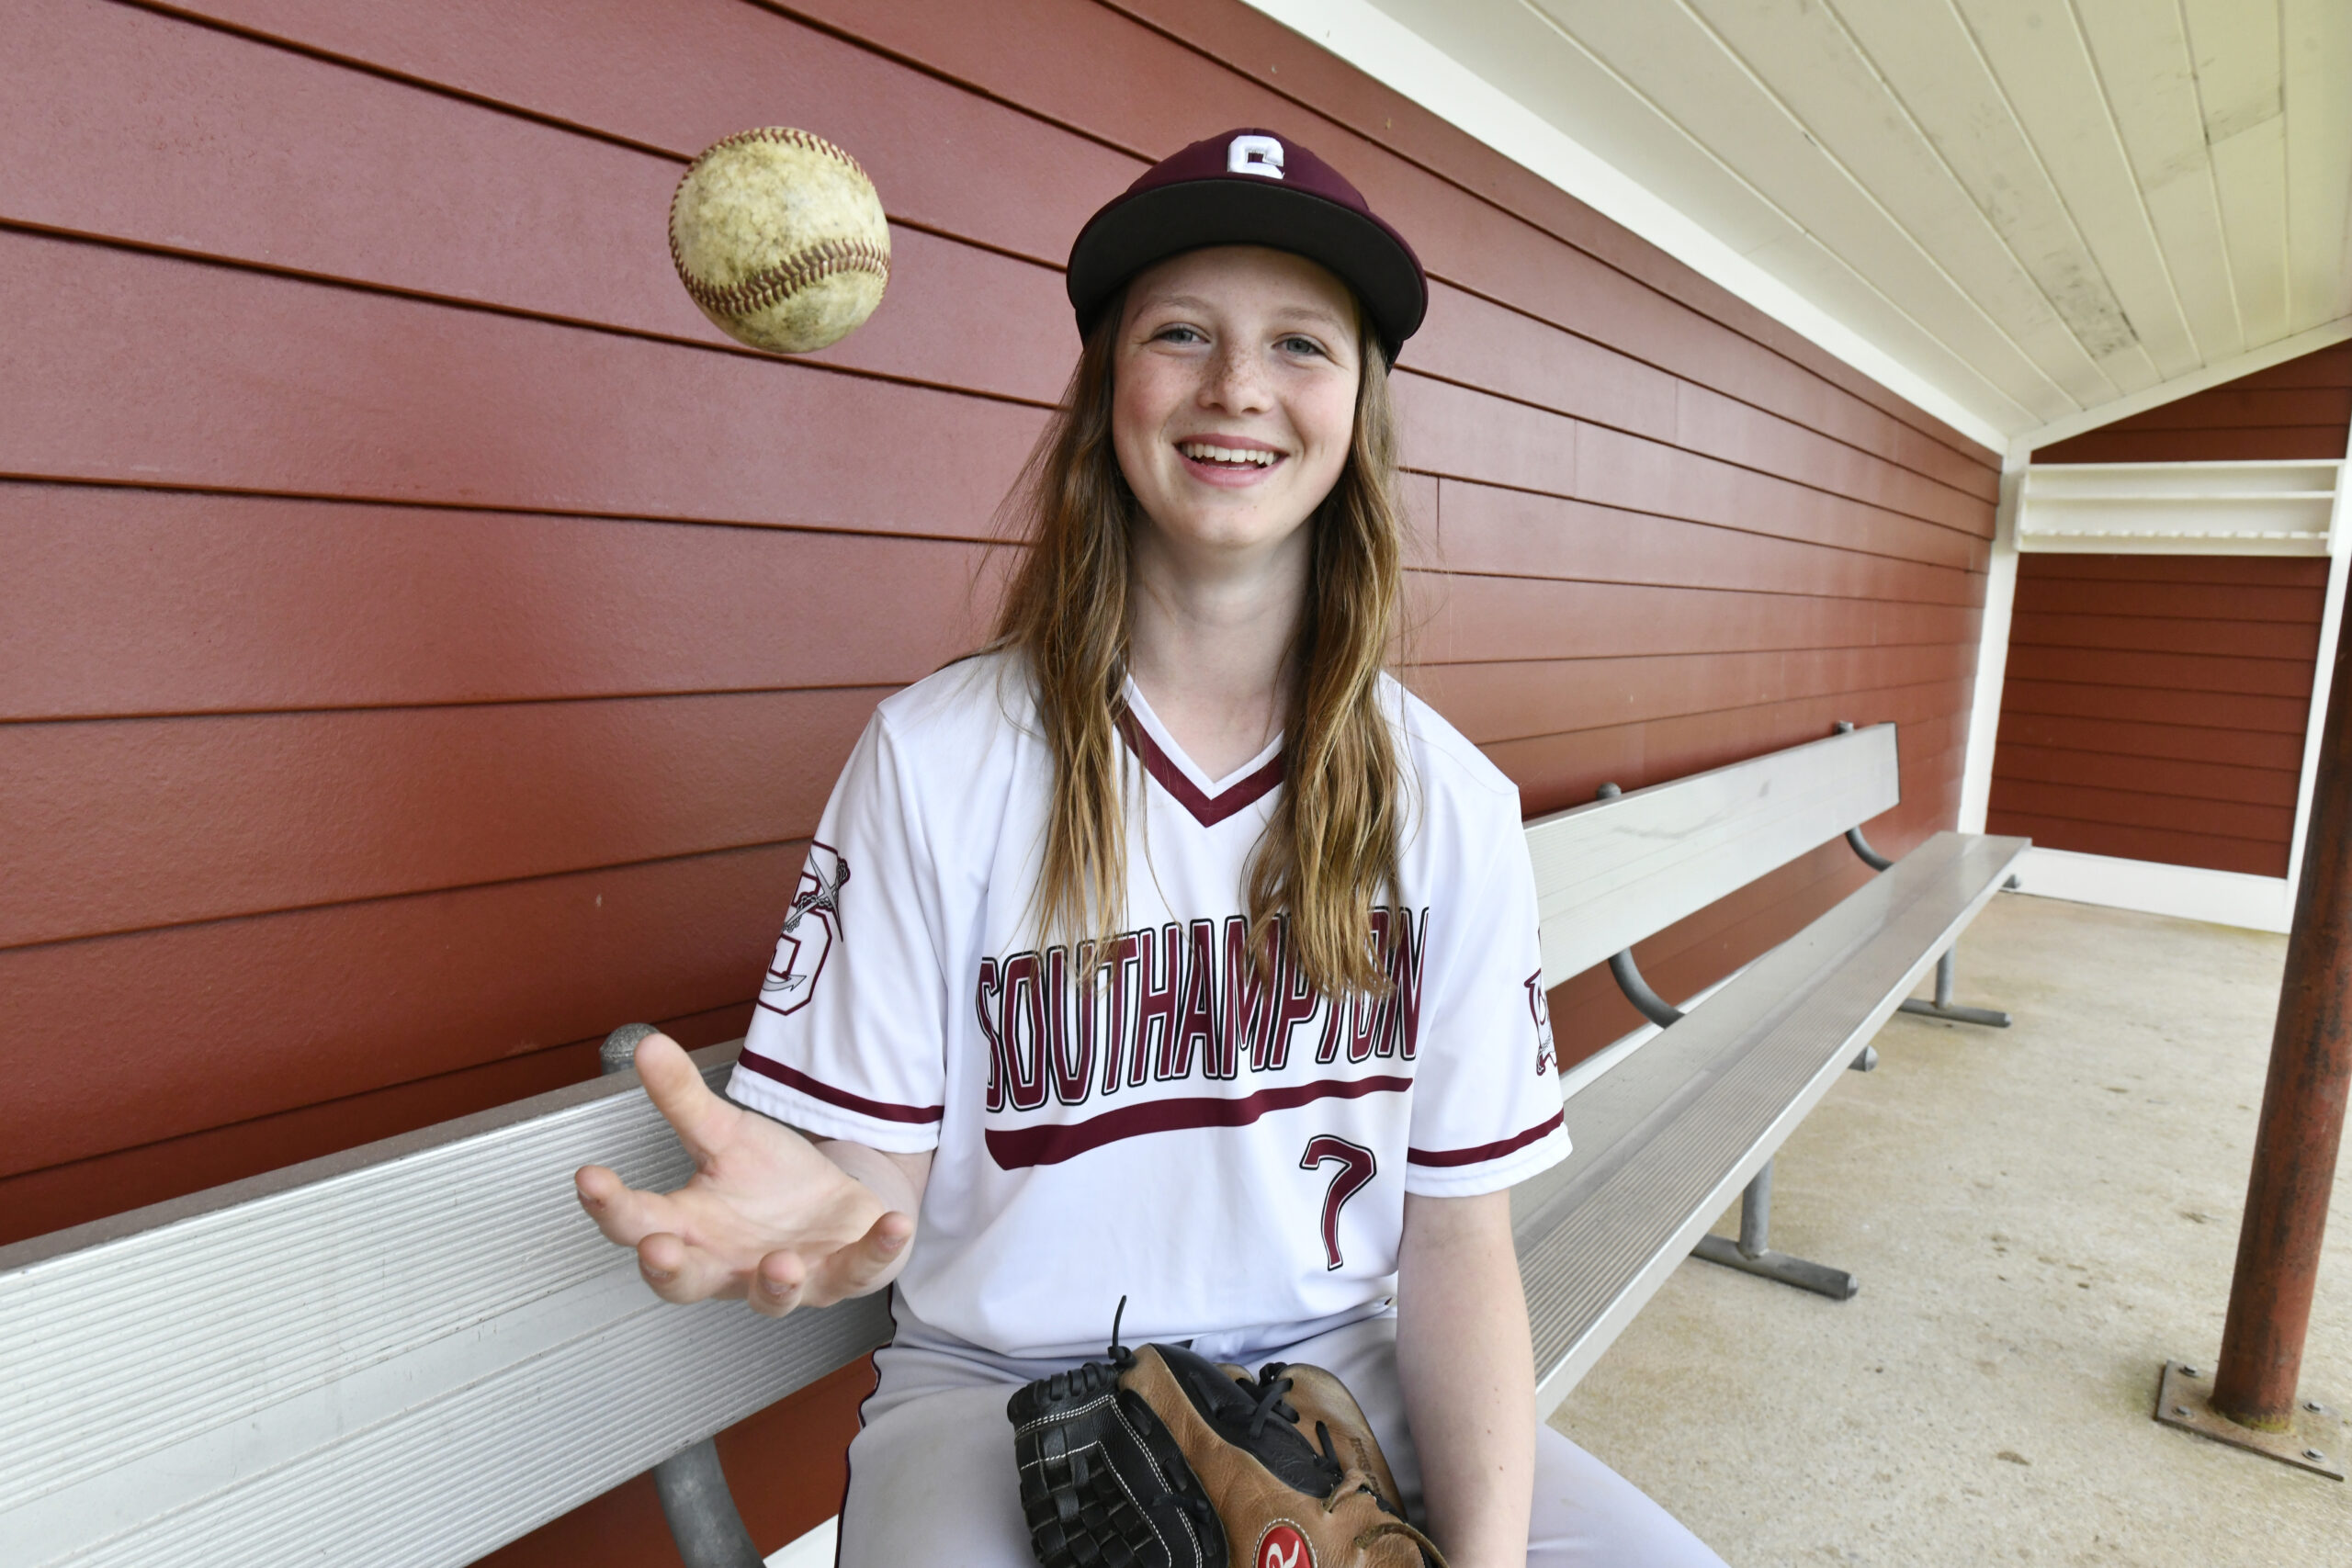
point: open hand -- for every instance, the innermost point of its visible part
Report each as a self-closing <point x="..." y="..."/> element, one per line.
<point x="766" y="1217"/>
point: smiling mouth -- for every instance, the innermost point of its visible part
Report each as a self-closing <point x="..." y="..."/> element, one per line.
<point x="1234" y="457"/>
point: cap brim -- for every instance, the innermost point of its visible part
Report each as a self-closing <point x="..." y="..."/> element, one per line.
<point x="1156" y="224"/>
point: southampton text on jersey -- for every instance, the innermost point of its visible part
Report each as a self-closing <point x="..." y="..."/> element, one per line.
<point x="1184" y="1001"/>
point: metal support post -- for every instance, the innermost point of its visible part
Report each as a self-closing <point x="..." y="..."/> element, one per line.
<point x="1753" y="1254"/>
<point x="704" y="1521"/>
<point x="2302" y="1123"/>
<point x="1943" y="1006"/>
<point x="2254" y="1389"/>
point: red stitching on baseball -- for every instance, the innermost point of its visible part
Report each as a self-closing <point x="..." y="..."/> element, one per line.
<point x="784" y="133"/>
<point x="803" y="267"/>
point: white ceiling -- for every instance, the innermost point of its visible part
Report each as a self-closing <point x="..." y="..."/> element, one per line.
<point x="2042" y="212"/>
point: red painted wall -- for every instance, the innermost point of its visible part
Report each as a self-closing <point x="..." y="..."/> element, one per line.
<point x="2154" y="706"/>
<point x="2296" y="409"/>
<point x="425" y="643"/>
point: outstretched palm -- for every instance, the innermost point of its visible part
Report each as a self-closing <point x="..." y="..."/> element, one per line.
<point x="765" y="1217"/>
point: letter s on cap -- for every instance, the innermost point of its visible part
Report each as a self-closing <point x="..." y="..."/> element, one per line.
<point x="1255" y="156"/>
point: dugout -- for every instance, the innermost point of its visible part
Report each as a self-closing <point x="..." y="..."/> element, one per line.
<point x="375" y="504"/>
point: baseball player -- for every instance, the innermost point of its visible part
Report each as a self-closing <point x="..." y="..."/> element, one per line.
<point x="1167" y="949"/>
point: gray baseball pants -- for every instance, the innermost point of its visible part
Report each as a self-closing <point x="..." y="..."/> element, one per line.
<point x="931" y="1472"/>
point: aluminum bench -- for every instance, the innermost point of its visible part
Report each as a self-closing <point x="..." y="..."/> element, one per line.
<point x="1669" y="1135"/>
<point x="412" y="1352"/>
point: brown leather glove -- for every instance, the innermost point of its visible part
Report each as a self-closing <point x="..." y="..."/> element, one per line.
<point x="1329" y="1414"/>
<point x="1160" y="1458"/>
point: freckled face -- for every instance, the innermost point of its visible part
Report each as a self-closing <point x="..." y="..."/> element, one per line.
<point x="1234" y="394"/>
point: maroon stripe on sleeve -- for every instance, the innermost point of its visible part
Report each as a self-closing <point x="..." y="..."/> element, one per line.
<point x="1015" y="1148"/>
<point x="883" y="1111"/>
<point x="1208" y="810"/>
<point x="1485" y="1151"/>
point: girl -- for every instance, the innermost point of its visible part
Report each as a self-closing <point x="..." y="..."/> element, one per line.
<point x="1167" y="949"/>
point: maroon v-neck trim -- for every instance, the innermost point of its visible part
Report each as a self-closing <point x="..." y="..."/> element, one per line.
<point x="1208" y="810"/>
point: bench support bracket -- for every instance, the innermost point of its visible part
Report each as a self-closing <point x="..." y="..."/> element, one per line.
<point x="1647" y="1003"/>
<point x="1943" y="1007"/>
<point x="1628" y="975"/>
<point x="1752" y="1253"/>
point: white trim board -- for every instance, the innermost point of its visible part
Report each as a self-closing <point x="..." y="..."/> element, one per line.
<point x="1393" y="54"/>
<point x="2268" y="506"/>
<point x="2331" y="631"/>
<point x="2185" y="892"/>
<point x="1991" y="651"/>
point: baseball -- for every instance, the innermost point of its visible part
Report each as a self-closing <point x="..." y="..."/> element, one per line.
<point x="779" y="237"/>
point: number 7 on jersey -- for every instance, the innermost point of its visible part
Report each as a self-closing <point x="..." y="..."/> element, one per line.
<point x="1356" y="1167"/>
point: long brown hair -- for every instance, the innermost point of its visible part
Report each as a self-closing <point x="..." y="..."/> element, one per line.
<point x="1330" y="848"/>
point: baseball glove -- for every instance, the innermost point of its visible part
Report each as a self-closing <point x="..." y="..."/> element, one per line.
<point x="1160" y="1458"/>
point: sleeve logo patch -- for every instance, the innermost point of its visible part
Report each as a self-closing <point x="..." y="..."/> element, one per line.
<point x="810" y="928"/>
<point x="1283" y="1547"/>
<point x="1541" y="1007"/>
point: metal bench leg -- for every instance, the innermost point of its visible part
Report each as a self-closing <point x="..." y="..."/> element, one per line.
<point x="701" y="1511"/>
<point x="1752" y="1253"/>
<point x="1942" y="1006"/>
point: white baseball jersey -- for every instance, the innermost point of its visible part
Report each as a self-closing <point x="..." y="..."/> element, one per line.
<point x="1207" y="1136"/>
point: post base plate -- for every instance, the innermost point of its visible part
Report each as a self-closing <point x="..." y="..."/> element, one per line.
<point x="2316" y="1442"/>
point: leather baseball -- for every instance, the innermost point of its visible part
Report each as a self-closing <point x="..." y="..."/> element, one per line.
<point x="779" y="237"/>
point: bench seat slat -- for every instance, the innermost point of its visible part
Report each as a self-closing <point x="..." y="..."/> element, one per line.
<point x="1665" y="1142"/>
<point x="404" y="1329"/>
<point x="1643" y="861"/>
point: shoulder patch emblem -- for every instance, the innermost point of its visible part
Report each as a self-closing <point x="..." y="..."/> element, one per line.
<point x="1540" y="1008"/>
<point x="810" y="928"/>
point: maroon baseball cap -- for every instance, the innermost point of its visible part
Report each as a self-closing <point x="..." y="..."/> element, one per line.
<point x="1250" y="188"/>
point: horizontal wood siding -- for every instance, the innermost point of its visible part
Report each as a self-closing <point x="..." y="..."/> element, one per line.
<point x="426" y="643"/>
<point x="2300" y="409"/>
<point x="2155" y="705"/>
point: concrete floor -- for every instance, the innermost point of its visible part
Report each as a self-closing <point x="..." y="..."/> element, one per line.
<point x="2040" y="1217"/>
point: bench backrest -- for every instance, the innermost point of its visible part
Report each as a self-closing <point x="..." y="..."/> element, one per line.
<point x="408" y="1354"/>
<point x="1610" y="874"/>
<point x="412" y="1352"/>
